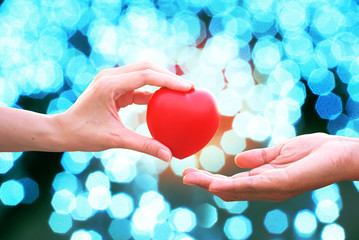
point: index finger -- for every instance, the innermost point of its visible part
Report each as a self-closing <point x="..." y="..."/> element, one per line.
<point x="134" y="80"/>
<point x="257" y="157"/>
<point x="134" y="67"/>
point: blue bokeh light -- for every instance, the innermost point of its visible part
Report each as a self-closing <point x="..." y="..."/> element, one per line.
<point x="7" y="160"/>
<point x="330" y="192"/>
<point x="76" y="162"/>
<point x="83" y="209"/>
<point x="11" y="192"/>
<point x="231" y="207"/>
<point x="63" y="201"/>
<point x="121" y="206"/>
<point x="352" y="108"/>
<point x="292" y="16"/>
<point x="183" y="219"/>
<point x="276" y="221"/>
<point x="327" y="211"/>
<point x="329" y="106"/>
<point x="266" y="54"/>
<point x="321" y="81"/>
<point x="298" y="46"/>
<point x="97" y="179"/>
<point x="162" y="230"/>
<point x="81" y="235"/>
<point x="120" y="229"/>
<point x="65" y="181"/>
<point x="231" y="143"/>
<point x="60" y="222"/>
<point x="207" y="215"/>
<point x="325" y="54"/>
<point x="99" y="198"/>
<point x="212" y="158"/>
<point x="31" y="190"/>
<point x="305" y="223"/>
<point x="238" y="227"/>
<point x="333" y="232"/>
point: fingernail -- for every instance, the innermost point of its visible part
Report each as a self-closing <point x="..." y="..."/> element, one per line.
<point x="164" y="155"/>
<point x="188" y="83"/>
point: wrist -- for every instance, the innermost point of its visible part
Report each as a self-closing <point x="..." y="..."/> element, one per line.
<point x="351" y="157"/>
<point x="60" y="139"/>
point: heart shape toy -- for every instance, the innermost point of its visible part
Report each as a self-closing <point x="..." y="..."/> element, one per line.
<point x="183" y="121"/>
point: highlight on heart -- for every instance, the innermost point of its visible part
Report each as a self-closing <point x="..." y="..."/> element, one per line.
<point x="195" y="83"/>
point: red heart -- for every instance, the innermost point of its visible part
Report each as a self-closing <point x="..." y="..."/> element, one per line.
<point x="183" y="121"/>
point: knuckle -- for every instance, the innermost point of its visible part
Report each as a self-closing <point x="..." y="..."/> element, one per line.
<point x="147" y="65"/>
<point x="102" y="73"/>
<point x="102" y="84"/>
<point x="147" y="146"/>
<point x="146" y="74"/>
<point x="264" y="156"/>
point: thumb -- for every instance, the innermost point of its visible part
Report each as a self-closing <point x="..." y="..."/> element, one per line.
<point x="146" y="145"/>
<point x="257" y="157"/>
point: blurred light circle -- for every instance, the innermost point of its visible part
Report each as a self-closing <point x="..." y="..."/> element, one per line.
<point x="292" y="16"/>
<point x="83" y="209"/>
<point x="321" y="81"/>
<point x="229" y="102"/>
<point x="11" y="192"/>
<point x="266" y="54"/>
<point x="259" y="128"/>
<point x="207" y="215"/>
<point x="120" y="229"/>
<point x="97" y="179"/>
<point x="212" y="158"/>
<point x="60" y="222"/>
<point x="99" y="198"/>
<point x="231" y="207"/>
<point x="238" y="227"/>
<point x="162" y="230"/>
<point x="63" y="201"/>
<point x="144" y="219"/>
<point x="65" y="181"/>
<point x="232" y="143"/>
<point x="121" y="206"/>
<point x="298" y="46"/>
<point x="333" y="232"/>
<point x="31" y="190"/>
<point x="241" y="122"/>
<point x="178" y="165"/>
<point x="276" y="221"/>
<point x="183" y="220"/>
<point x="327" y="211"/>
<point x="329" y="106"/>
<point x="305" y="223"/>
<point x="81" y="235"/>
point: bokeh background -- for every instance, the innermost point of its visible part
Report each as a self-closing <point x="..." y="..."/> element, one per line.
<point x="278" y="68"/>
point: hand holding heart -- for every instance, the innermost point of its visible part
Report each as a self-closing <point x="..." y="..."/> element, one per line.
<point x="93" y="124"/>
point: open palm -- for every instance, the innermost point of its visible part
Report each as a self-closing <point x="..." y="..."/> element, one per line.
<point x="301" y="164"/>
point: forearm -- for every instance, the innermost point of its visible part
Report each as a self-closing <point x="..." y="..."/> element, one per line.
<point x="22" y="130"/>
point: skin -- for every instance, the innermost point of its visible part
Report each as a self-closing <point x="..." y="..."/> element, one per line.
<point x="92" y="123"/>
<point x="301" y="164"/>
